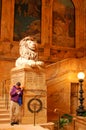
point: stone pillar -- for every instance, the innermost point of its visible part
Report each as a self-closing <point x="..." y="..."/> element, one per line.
<point x="35" y="93"/>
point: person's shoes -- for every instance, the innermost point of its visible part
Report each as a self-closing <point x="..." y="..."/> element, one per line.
<point x="17" y="123"/>
<point x="12" y="123"/>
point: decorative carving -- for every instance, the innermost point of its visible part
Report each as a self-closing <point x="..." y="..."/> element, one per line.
<point x="28" y="53"/>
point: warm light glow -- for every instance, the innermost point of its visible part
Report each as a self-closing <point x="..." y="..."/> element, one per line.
<point x="81" y="75"/>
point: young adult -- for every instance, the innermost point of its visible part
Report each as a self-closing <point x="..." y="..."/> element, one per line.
<point x="16" y="94"/>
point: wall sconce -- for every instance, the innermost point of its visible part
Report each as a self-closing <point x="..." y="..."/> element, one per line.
<point x="81" y="109"/>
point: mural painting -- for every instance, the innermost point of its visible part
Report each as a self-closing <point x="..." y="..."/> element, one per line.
<point x="27" y="17"/>
<point x="0" y="14"/>
<point x="63" y="23"/>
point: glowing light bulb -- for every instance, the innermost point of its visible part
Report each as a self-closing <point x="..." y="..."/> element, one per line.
<point x="81" y="75"/>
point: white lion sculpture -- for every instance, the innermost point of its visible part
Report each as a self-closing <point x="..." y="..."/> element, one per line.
<point x="28" y="53"/>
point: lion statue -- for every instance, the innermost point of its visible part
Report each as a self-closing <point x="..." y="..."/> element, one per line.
<point x="28" y="53"/>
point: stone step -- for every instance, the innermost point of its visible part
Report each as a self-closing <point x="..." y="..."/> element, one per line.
<point x="4" y="115"/>
<point x="4" y="106"/>
<point x="4" y="111"/>
<point x="2" y="102"/>
<point x="4" y="99"/>
<point x="5" y="120"/>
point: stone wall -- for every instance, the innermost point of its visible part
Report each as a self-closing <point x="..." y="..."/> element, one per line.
<point x="63" y="87"/>
<point x="9" y="49"/>
<point x="57" y="73"/>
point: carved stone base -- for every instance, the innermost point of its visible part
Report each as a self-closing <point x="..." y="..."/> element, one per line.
<point x="35" y="93"/>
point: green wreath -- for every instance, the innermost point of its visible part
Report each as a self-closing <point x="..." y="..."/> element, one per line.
<point x="34" y="105"/>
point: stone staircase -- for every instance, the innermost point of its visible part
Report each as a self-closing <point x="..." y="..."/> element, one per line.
<point x="4" y="112"/>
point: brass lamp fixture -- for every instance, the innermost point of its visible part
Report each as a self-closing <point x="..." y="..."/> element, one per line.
<point x="80" y="111"/>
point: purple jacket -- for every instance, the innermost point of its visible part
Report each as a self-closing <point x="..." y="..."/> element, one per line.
<point x="14" y="95"/>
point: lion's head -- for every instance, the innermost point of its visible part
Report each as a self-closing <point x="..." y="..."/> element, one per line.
<point x="28" y="53"/>
<point x="28" y="48"/>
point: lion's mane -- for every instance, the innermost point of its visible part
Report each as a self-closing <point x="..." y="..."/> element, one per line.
<point x="27" y="52"/>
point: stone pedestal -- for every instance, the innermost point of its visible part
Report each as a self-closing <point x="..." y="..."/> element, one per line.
<point x="35" y="93"/>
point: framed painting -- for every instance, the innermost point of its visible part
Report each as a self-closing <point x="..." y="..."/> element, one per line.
<point x="27" y="19"/>
<point x="63" y="23"/>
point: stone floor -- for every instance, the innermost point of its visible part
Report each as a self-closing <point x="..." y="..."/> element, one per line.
<point x="44" y="126"/>
<point x="21" y="127"/>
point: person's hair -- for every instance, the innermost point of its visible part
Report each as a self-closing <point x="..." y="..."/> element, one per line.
<point x="18" y="84"/>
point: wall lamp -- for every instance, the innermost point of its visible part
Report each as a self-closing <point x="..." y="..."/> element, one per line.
<point x="80" y="110"/>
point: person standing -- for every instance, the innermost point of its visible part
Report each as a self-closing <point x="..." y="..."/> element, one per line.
<point x="16" y="94"/>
